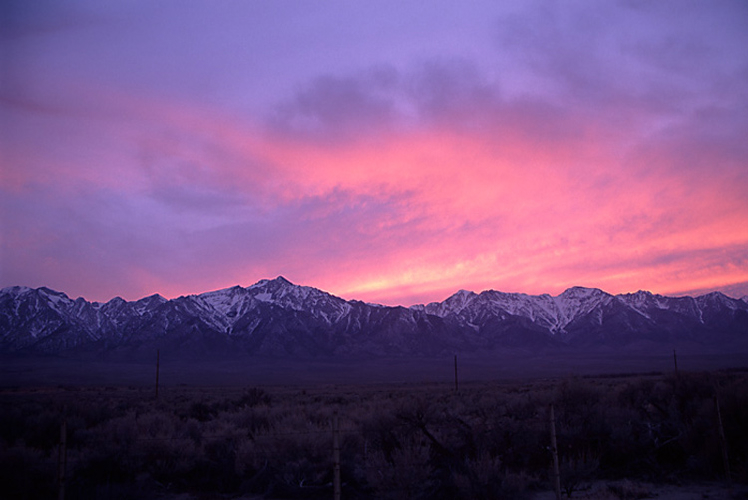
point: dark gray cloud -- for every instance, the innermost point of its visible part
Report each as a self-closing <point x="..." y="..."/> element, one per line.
<point x="340" y="107"/>
<point x="452" y="91"/>
<point x="437" y="92"/>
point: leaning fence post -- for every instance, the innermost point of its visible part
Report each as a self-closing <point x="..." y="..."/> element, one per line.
<point x="554" y="450"/>
<point x="336" y="457"/>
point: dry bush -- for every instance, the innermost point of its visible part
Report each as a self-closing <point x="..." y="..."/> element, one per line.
<point x="404" y="472"/>
<point x="487" y="441"/>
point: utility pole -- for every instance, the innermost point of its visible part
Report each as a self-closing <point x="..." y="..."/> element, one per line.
<point x="158" y="359"/>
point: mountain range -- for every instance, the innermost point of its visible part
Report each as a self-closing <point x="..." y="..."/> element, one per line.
<point x="280" y="319"/>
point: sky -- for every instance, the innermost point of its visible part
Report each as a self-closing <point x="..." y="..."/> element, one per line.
<point x="390" y="151"/>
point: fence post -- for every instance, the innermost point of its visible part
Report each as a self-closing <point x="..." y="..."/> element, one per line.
<point x="554" y="450"/>
<point x="62" y="459"/>
<point x="722" y="440"/>
<point x="336" y="457"/>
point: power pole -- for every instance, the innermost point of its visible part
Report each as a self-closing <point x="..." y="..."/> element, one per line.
<point x="158" y="359"/>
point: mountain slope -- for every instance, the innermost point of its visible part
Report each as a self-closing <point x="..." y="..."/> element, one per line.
<point x="278" y="318"/>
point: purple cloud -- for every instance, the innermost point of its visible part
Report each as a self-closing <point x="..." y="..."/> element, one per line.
<point x="397" y="151"/>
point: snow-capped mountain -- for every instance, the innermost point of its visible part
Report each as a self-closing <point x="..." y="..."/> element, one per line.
<point x="278" y="318"/>
<point x="552" y="313"/>
<point x="588" y="315"/>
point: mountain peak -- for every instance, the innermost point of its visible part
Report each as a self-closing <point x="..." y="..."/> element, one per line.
<point x="581" y="292"/>
<point x="461" y="296"/>
<point x="49" y="292"/>
<point x="153" y="298"/>
<point x="718" y="298"/>
<point x="278" y="282"/>
<point x="16" y="290"/>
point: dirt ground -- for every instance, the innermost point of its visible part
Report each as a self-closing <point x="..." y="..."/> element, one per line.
<point x="630" y="490"/>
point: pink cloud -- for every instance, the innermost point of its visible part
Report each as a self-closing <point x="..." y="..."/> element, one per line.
<point x="531" y="218"/>
<point x="160" y="196"/>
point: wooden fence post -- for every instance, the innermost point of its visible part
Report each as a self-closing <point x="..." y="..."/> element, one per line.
<point x="554" y="450"/>
<point x="722" y="440"/>
<point x="336" y="457"/>
<point x="62" y="458"/>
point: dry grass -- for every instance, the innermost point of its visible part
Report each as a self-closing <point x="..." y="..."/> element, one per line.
<point x="490" y="440"/>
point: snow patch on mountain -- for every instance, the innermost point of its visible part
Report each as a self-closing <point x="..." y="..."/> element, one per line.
<point x="276" y="317"/>
<point x="225" y="301"/>
<point x="554" y="313"/>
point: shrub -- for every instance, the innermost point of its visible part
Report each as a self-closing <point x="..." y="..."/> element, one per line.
<point x="488" y="441"/>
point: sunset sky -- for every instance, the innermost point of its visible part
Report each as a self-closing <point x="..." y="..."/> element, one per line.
<point x="387" y="151"/>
